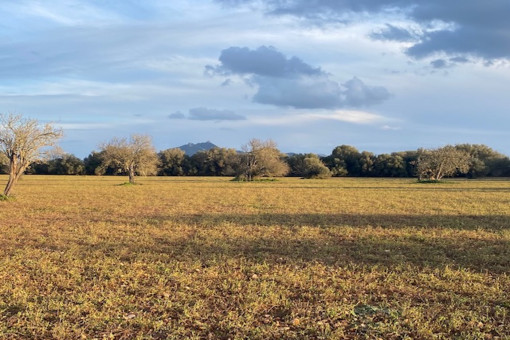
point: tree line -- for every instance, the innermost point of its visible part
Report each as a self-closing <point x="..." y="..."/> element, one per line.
<point x="22" y="139"/>
<point x="344" y="161"/>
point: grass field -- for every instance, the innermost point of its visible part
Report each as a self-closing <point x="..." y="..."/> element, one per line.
<point x="207" y="258"/>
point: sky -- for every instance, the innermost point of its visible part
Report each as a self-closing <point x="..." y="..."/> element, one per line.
<point x="380" y="75"/>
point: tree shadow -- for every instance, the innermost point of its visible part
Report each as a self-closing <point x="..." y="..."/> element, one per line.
<point x="210" y="237"/>
<point x="436" y="241"/>
<point x="459" y="222"/>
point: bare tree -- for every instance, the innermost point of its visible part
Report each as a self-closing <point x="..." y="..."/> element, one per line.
<point x="261" y="158"/>
<point x="438" y="163"/>
<point x="134" y="157"/>
<point x="21" y="141"/>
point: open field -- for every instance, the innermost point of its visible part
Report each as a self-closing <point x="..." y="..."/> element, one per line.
<point x="173" y="258"/>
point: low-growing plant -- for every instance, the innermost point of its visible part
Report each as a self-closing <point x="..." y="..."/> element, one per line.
<point x="199" y="258"/>
<point x="6" y="198"/>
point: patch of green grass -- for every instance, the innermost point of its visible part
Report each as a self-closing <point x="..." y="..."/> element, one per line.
<point x="6" y="198"/>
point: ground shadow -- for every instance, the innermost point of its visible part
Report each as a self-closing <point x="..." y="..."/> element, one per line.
<point x="461" y="222"/>
<point x="329" y="245"/>
<point x="279" y="238"/>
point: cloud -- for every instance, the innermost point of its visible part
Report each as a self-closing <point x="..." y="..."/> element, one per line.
<point x="177" y="115"/>
<point x="464" y="41"/>
<point x="390" y="128"/>
<point x="348" y="116"/>
<point x="395" y="33"/>
<point x="357" y="93"/>
<point x="468" y="28"/>
<point x="290" y="82"/>
<point x="459" y="60"/>
<point x="203" y="113"/>
<point x="439" y="63"/>
<point x="451" y="62"/>
<point x="302" y="92"/>
<point x="264" y="61"/>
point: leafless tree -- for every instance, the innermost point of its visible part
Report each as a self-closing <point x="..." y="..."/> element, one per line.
<point x="21" y="141"/>
<point x="135" y="156"/>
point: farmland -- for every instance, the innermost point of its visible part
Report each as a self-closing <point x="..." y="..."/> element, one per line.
<point x="205" y="257"/>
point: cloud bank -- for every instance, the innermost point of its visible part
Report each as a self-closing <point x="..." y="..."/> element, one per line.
<point x="290" y="82"/>
<point x="469" y="28"/>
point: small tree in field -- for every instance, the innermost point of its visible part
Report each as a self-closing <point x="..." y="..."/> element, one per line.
<point x="134" y="157"/>
<point x="435" y="164"/>
<point x="307" y="166"/>
<point x="259" y="159"/>
<point x="314" y="168"/>
<point x="21" y="141"/>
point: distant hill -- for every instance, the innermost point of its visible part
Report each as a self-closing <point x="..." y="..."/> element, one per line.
<point x="192" y="148"/>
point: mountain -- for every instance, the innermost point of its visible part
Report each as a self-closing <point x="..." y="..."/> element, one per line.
<point x="191" y="148"/>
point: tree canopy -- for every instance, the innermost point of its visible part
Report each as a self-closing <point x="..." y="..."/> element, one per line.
<point x="135" y="156"/>
<point x="446" y="161"/>
<point x="261" y="159"/>
<point x="343" y="161"/>
<point x="21" y="141"/>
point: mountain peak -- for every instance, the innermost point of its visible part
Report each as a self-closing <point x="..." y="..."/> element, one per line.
<point x="192" y="148"/>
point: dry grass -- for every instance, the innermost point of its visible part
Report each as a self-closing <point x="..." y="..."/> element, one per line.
<point x="206" y="258"/>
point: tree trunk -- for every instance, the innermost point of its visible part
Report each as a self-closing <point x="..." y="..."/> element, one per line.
<point x="13" y="177"/>
<point x="131" y="174"/>
<point x="10" y="184"/>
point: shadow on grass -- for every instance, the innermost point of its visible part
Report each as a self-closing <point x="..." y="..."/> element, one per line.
<point x="460" y="222"/>
<point x="463" y="241"/>
<point x="334" y="250"/>
<point x="382" y="240"/>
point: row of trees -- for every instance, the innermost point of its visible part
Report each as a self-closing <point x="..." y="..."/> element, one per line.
<point x="470" y="160"/>
<point x="262" y="158"/>
<point x="21" y="141"/>
<point x="137" y="156"/>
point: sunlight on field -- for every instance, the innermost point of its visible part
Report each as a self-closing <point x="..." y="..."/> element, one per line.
<point x="210" y="258"/>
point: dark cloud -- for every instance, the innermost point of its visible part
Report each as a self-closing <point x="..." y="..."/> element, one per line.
<point x="202" y="113"/>
<point x="290" y="82"/>
<point x="464" y="41"/>
<point x="395" y="33"/>
<point x="459" y="60"/>
<point x="177" y="115"/>
<point x="439" y="63"/>
<point x="264" y="61"/>
<point x="473" y="27"/>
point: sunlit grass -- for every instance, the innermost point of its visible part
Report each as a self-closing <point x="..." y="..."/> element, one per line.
<point x="210" y="258"/>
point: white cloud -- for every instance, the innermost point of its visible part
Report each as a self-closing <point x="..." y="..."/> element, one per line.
<point x="348" y="116"/>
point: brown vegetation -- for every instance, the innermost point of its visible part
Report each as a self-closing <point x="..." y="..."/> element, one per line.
<point x="21" y="141"/>
<point x="210" y="258"/>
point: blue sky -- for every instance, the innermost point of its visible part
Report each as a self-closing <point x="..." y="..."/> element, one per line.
<point x="381" y="75"/>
